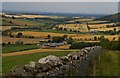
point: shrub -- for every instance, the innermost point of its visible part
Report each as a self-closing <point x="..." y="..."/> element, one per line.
<point x="70" y="40"/>
<point x="19" y="35"/>
<point x="19" y="42"/>
<point x="57" y="39"/>
<point x="9" y="43"/>
<point x="95" y="38"/>
<point x="80" y="45"/>
<point x="3" y="44"/>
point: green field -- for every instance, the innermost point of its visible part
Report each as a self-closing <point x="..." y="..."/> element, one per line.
<point x="60" y="31"/>
<point x="16" y="48"/>
<point x="20" y="22"/>
<point x="11" y="61"/>
<point x="108" y="64"/>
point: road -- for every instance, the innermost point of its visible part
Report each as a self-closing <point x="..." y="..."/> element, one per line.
<point x="34" y="51"/>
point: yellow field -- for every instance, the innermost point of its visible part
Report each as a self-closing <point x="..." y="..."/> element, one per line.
<point x="88" y="37"/>
<point x="31" y="16"/>
<point x="25" y="40"/>
<point x="74" y="36"/>
<point x="82" y="20"/>
<point x="19" y="22"/>
<point x="96" y="26"/>
<point x="78" y="27"/>
<point x="34" y="16"/>
<point x="95" y="21"/>
<point x="7" y="27"/>
<point x="64" y="47"/>
<point x="38" y="34"/>
<point x="83" y="27"/>
<point x="105" y="29"/>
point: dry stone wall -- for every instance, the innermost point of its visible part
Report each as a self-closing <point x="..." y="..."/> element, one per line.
<point x="73" y="64"/>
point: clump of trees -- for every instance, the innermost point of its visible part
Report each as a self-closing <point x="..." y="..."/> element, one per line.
<point x="110" y="45"/>
<point x="104" y="42"/>
<point x="70" y="40"/>
<point x="111" y="32"/>
<point x="63" y="38"/>
<point x="19" y="42"/>
<point x="114" y="25"/>
<point x="48" y="36"/>
<point x="80" y="45"/>
<point x="19" y="35"/>
<point x="58" y="39"/>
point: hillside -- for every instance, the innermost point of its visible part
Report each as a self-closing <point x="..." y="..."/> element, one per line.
<point x="111" y="18"/>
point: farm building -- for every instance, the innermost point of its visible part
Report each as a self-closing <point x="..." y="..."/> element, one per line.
<point x="48" y="45"/>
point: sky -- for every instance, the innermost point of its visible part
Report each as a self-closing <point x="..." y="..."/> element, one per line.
<point x="60" y="0"/>
<point x="63" y="7"/>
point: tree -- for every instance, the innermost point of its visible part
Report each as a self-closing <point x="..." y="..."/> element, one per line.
<point x="113" y="38"/>
<point x="19" y="42"/>
<point x="88" y="27"/>
<point x="70" y="40"/>
<point x="9" y="43"/>
<point x="57" y="39"/>
<point x="65" y="29"/>
<point x="102" y="37"/>
<point x="70" y="30"/>
<point x="95" y="38"/>
<point x="61" y="28"/>
<point x="48" y="36"/>
<point x="3" y="44"/>
<point x="13" y="17"/>
<point x="64" y="37"/>
<point x="19" y="35"/>
<point x="114" y="29"/>
<point x="11" y="22"/>
<point x="25" y="24"/>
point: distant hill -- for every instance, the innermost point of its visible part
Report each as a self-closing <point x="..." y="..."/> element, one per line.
<point x="54" y="13"/>
<point x="111" y="18"/>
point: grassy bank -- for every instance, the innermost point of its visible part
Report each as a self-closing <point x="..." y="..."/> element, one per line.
<point x="11" y="61"/>
<point x="108" y="64"/>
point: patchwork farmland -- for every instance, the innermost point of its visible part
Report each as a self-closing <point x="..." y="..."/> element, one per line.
<point x="24" y="36"/>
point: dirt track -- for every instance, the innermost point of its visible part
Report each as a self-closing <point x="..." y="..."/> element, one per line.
<point x="33" y="51"/>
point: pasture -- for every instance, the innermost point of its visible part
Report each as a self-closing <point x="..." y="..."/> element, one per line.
<point x="15" y="48"/>
<point x="25" y="40"/>
<point x="82" y="20"/>
<point x="108" y="65"/>
<point x="19" y="22"/>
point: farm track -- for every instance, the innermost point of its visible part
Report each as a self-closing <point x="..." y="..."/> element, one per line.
<point x="33" y="51"/>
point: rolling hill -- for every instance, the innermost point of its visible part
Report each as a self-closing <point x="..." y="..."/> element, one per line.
<point x="111" y="18"/>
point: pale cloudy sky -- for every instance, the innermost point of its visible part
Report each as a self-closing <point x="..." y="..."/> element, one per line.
<point x="60" y="0"/>
<point x="63" y="7"/>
